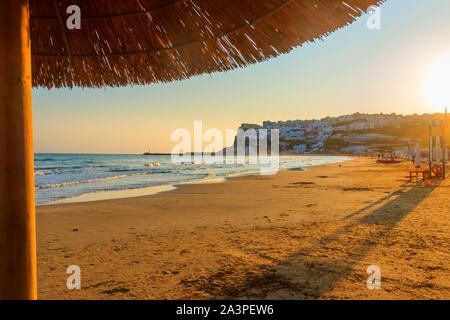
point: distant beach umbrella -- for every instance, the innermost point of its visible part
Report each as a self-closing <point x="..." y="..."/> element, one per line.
<point x="96" y="43"/>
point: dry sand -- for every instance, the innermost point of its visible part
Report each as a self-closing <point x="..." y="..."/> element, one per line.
<point x="294" y="235"/>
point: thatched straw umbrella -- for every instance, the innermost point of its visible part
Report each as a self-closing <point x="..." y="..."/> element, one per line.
<point x="123" y="42"/>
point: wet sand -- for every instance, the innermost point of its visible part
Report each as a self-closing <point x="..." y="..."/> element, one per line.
<point x="294" y="235"/>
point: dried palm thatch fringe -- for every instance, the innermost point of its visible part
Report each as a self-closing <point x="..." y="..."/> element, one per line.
<point x="124" y="42"/>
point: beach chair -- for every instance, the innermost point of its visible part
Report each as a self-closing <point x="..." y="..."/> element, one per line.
<point x="417" y="171"/>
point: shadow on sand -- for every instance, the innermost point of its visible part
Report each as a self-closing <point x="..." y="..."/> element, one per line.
<point x="313" y="271"/>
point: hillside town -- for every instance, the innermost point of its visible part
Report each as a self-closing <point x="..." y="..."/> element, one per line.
<point x="348" y="134"/>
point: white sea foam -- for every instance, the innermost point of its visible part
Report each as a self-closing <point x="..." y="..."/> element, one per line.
<point x="154" y="164"/>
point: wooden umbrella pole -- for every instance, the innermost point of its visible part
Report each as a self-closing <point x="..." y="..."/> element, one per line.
<point x="17" y="212"/>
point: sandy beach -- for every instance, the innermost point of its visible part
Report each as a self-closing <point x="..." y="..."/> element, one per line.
<point x="295" y="235"/>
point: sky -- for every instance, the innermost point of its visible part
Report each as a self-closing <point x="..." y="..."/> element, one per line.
<point x="353" y="70"/>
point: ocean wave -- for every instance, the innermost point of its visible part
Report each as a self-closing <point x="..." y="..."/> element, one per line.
<point x="69" y="176"/>
<point x="63" y="184"/>
<point x="143" y="171"/>
<point x="68" y="183"/>
<point x="163" y="171"/>
<point x="126" y="170"/>
<point x="46" y="172"/>
<point x="60" y="168"/>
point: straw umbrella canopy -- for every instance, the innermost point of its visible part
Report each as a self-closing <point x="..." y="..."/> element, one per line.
<point x="124" y="42"/>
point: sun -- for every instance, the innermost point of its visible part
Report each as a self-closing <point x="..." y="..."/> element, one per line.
<point x="437" y="84"/>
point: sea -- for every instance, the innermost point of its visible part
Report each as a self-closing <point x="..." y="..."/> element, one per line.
<point x="62" y="177"/>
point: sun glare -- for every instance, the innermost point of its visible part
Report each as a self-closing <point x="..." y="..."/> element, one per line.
<point x="437" y="85"/>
